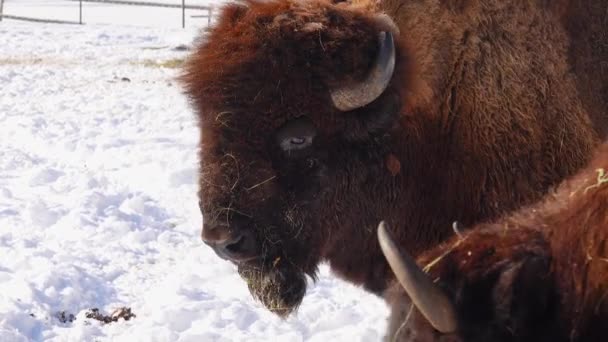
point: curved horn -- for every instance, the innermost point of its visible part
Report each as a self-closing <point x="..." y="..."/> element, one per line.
<point x="357" y="95"/>
<point x="430" y="300"/>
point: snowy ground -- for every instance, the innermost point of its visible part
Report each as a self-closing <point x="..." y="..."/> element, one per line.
<point x="98" y="208"/>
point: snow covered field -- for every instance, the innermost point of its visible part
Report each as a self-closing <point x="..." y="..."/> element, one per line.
<point x="98" y="202"/>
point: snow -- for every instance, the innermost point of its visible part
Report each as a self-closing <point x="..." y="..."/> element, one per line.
<point x="98" y="203"/>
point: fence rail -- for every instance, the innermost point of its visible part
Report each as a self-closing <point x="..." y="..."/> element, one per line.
<point x="183" y="6"/>
<point x="146" y="3"/>
<point x="38" y="20"/>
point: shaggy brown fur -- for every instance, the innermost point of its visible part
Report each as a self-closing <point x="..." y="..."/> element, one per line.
<point x="489" y="118"/>
<point x="539" y="275"/>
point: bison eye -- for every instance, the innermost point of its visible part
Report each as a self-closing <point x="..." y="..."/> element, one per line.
<point x="297" y="134"/>
<point x="297" y="140"/>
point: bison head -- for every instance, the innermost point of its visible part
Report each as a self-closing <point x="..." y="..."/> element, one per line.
<point x="487" y="285"/>
<point x="293" y="99"/>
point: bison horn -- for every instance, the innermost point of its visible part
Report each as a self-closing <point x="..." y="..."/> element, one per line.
<point x="430" y="300"/>
<point x="357" y="95"/>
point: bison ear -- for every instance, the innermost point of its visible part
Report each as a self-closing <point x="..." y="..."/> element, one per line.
<point x="374" y="119"/>
<point x="371" y="104"/>
<point x="348" y="97"/>
<point x="523" y="296"/>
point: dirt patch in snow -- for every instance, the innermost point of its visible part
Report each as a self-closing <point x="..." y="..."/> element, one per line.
<point x="124" y="313"/>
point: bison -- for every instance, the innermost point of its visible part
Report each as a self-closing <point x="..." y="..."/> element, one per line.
<point x="318" y="120"/>
<point x="540" y="274"/>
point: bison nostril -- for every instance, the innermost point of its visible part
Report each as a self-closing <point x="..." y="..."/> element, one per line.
<point x="231" y="241"/>
<point x="214" y="234"/>
<point x="236" y="246"/>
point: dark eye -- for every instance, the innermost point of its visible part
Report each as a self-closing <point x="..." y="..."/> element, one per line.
<point x="297" y="134"/>
<point x="297" y="141"/>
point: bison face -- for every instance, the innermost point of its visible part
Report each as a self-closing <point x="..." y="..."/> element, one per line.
<point x="259" y="204"/>
<point x="293" y="101"/>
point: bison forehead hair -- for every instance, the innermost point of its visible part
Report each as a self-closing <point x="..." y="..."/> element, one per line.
<point x="262" y="82"/>
<point x="278" y="59"/>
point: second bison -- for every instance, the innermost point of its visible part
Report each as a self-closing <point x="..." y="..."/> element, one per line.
<point x="540" y="274"/>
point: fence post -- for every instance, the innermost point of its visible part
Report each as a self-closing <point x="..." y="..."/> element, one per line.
<point x="183" y="13"/>
<point x="1" y="6"/>
<point x="80" y="12"/>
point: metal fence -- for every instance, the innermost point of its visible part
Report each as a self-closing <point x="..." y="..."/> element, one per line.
<point x="183" y="6"/>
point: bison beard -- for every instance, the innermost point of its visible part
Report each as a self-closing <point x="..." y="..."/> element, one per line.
<point x="278" y="278"/>
<point x="280" y="288"/>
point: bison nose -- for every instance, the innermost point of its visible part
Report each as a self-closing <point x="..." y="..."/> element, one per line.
<point x="230" y="243"/>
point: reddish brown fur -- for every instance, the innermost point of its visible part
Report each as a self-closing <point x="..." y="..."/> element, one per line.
<point x="539" y="275"/>
<point x="490" y="118"/>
